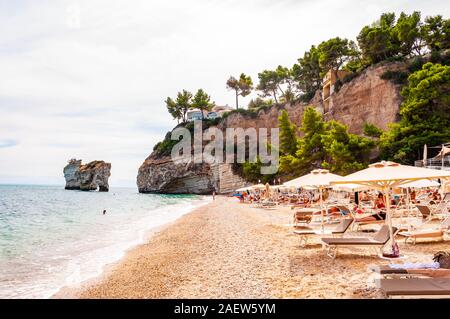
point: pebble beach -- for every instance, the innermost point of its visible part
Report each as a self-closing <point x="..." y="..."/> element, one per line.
<point x="230" y="250"/>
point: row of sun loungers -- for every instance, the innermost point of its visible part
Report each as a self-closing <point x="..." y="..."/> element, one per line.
<point x="393" y="282"/>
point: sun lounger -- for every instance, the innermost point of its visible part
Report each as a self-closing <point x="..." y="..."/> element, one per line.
<point x="267" y="204"/>
<point x="422" y="234"/>
<point x="358" y="223"/>
<point x="379" y="239"/>
<point x="344" y="209"/>
<point x="427" y="233"/>
<point x="438" y="211"/>
<point x="425" y="211"/>
<point x="415" y="287"/>
<point x="340" y="229"/>
<point x="388" y="272"/>
<point x="303" y="216"/>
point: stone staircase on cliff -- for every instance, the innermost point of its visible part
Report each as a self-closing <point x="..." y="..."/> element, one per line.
<point x="227" y="181"/>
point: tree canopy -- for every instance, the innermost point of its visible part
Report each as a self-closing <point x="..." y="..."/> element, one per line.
<point x="323" y="144"/>
<point x="242" y="86"/>
<point x="335" y="52"/>
<point x="425" y="115"/>
<point x="288" y="135"/>
<point x="179" y="107"/>
<point x="202" y="101"/>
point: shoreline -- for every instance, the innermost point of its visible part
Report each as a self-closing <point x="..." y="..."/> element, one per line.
<point x="107" y="268"/>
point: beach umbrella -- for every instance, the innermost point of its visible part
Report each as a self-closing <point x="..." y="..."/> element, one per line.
<point x="351" y="188"/>
<point x="280" y="187"/>
<point x="386" y="176"/>
<point x="317" y="179"/>
<point x="258" y="186"/>
<point x="423" y="183"/>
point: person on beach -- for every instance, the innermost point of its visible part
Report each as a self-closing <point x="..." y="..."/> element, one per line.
<point x="380" y="204"/>
<point x="104" y="212"/>
<point x="214" y="195"/>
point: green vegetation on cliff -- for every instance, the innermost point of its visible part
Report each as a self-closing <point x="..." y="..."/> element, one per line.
<point x="323" y="144"/>
<point x="423" y="46"/>
<point x="425" y="115"/>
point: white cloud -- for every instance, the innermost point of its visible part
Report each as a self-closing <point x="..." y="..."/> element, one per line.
<point x="88" y="78"/>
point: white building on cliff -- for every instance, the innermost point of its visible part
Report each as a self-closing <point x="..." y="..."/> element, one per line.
<point x="216" y="112"/>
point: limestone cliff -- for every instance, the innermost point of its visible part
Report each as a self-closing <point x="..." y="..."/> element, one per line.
<point x="87" y="177"/>
<point x="366" y="98"/>
<point x="164" y="176"/>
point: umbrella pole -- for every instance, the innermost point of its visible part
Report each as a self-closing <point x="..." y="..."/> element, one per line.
<point x="321" y="209"/>
<point x="387" y="196"/>
<point x="408" y="198"/>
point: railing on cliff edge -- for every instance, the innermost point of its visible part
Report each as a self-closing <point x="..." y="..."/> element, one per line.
<point x="434" y="163"/>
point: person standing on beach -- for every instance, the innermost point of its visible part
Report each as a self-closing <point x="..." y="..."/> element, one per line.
<point x="104" y="212"/>
<point x="214" y="195"/>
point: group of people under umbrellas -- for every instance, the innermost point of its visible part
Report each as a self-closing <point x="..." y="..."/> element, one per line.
<point x="384" y="177"/>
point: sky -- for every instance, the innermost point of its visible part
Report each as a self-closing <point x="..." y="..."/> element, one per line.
<point x="88" y="79"/>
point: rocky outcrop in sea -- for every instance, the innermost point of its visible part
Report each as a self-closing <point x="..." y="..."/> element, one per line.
<point x="87" y="177"/>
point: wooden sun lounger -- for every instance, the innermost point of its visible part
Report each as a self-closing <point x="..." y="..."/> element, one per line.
<point x="388" y="272"/>
<point x="340" y="229"/>
<point x="415" y="287"/>
<point x="379" y="239"/>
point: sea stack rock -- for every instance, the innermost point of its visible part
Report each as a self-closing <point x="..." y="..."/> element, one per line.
<point x="87" y="177"/>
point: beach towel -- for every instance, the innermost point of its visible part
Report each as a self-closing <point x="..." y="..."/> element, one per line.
<point x="433" y="265"/>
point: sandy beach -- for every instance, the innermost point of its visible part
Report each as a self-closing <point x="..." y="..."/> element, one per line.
<point x="230" y="250"/>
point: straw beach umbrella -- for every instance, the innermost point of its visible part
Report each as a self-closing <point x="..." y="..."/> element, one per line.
<point x="258" y="186"/>
<point x="318" y="179"/>
<point x="385" y="176"/>
<point x="351" y="188"/>
<point x="423" y="183"/>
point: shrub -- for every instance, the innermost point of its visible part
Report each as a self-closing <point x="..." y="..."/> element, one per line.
<point x="164" y="148"/>
<point x="307" y="97"/>
<point x="416" y="64"/>
<point x="372" y="131"/>
<point x="396" y="77"/>
<point x="243" y="112"/>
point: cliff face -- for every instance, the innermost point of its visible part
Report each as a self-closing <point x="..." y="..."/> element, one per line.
<point x="70" y="171"/>
<point x="164" y="176"/>
<point x="367" y="98"/>
<point x="91" y="176"/>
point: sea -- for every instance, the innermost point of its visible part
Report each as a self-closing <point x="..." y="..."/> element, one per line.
<point x="52" y="238"/>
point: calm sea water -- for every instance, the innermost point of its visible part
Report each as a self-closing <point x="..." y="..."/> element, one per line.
<point x="51" y="237"/>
